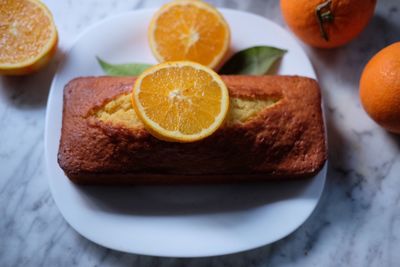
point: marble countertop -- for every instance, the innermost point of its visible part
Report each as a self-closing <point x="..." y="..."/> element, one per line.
<point x="357" y="222"/>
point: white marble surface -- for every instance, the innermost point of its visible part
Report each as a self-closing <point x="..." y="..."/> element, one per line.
<point x="356" y="224"/>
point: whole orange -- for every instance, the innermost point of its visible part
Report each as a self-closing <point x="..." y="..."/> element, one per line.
<point x="327" y="23"/>
<point x="380" y="88"/>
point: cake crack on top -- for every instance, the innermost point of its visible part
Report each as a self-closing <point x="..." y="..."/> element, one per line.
<point x="120" y="113"/>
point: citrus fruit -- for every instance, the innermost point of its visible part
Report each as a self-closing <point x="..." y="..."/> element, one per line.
<point x="180" y="101"/>
<point x="28" y="36"/>
<point x="189" y="30"/>
<point x="380" y="88"/>
<point x="327" y="23"/>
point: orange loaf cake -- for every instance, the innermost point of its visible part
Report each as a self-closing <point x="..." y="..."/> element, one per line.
<point x="274" y="130"/>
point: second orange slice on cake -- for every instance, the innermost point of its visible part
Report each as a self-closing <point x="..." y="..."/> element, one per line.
<point x="180" y="101"/>
<point x="189" y="30"/>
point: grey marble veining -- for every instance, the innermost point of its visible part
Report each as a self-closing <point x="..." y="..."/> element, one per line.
<point x="357" y="222"/>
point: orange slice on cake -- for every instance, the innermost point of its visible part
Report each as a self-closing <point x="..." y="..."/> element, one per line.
<point x="180" y="101"/>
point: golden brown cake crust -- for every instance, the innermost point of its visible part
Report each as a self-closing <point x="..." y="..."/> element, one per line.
<point x="286" y="140"/>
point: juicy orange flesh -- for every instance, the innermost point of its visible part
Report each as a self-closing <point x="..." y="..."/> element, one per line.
<point x="181" y="99"/>
<point x="186" y="32"/>
<point x="24" y="31"/>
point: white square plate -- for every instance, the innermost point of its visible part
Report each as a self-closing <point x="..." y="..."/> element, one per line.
<point x="179" y="221"/>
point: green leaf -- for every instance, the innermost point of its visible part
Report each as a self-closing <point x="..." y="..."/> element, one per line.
<point x="256" y="60"/>
<point x="133" y="69"/>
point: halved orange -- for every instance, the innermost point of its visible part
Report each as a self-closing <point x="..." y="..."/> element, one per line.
<point x="28" y="36"/>
<point x="189" y="30"/>
<point x="180" y="101"/>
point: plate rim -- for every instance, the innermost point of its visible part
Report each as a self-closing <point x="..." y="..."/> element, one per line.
<point x="68" y="49"/>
